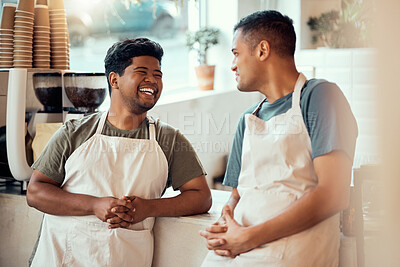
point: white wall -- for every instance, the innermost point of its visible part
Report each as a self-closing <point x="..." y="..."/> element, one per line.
<point x="208" y="121"/>
<point x="354" y="71"/>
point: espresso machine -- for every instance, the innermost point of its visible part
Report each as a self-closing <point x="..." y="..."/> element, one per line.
<point x="43" y="96"/>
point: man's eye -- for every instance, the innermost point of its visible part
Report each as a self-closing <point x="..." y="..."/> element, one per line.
<point x="141" y="72"/>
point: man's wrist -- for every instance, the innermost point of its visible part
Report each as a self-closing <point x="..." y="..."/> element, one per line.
<point x="252" y="237"/>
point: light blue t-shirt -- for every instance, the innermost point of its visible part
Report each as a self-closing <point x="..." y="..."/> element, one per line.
<point x="326" y="113"/>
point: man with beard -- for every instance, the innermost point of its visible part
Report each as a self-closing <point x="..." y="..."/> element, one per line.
<point x="100" y="178"/>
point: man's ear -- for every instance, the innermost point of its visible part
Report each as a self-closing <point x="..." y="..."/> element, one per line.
<point x="264" y="50"/>
<point x="113" y="79"/>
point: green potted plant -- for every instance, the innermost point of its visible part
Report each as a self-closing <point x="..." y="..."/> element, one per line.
<point x="347" y="28"/>
<point x="200" y="41"/>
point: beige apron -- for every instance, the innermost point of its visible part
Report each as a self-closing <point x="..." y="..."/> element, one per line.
<point x="105" y="166"/>
<point x="277" y="169"/>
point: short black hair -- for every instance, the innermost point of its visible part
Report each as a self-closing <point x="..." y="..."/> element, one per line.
<point x="119" y="55"/>
<point x="272" y="26"/>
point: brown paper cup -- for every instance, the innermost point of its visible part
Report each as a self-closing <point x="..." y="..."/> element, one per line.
<point x="41" y="36"/>
<point x="6" y="36"/>
<point x="58" y="25"/>
<point x="41" y="54"/>
<point x="42" y="28"/>
<point x="23" y="29"/>
<point x="54" y="30"/>
<point x="6" y="46"/>
<point x="59" y="53"/>
<point x="6" y="42"/>
<point x="41" y="47"/>
<point x="8" y="50"/>
<point x="23" y="13"/>
<point x="6" y="54"/>
<point x="56" y="5"/>
<point x="59" y="40"/>
<point x="59" y="49"/>
<point x="41" y="61"/>
<point x="42" y="15"/>
<point x="7" y="31"/>
<point x="23" y="57"/>
<point x="42" y="66"/>
<point x="22" y="47"/>
<point x="57" y="16"/>
<point x="22" y="66"/>
<point x="41" y="2"/>
<point x="60" y="58"/>
<point x="23" y="24"/>
<point x="58" y="20"/>
<point x="47" y="58"/>
<point x="23" y="19"/>
<point x="37" y="43"/>
<point x="41" y="40"/>
<point x="7" y="17"/>
<point x="42" y="32"/>
<point x="26" y="5"/>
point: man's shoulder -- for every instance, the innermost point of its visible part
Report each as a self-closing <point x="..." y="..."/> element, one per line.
<point x="82" y="126"/>
<point x="318" y="87"/>
<point x="164" y="128"/>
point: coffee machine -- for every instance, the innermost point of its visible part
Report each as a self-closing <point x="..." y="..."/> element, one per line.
<point x="27" y="103"/>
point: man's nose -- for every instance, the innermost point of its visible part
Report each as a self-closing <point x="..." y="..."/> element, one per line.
<point x="233" y="66"/>
<point x="150" y="78"/>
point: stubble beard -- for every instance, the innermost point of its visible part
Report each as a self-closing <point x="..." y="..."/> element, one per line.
<point x="135" y="106"/>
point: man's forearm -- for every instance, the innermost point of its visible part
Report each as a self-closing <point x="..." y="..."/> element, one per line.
<point x="53" y="200"/>
<point x="308" y="211"/>
<point x="188" y="202"/>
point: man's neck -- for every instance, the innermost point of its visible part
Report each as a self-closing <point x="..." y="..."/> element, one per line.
<point x="123" y="119"/>
<point x="281" y="79"/>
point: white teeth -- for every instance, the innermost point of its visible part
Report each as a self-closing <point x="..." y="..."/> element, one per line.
<point x="147" y="91"/>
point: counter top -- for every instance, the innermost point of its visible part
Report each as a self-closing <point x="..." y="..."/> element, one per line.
<point x="176" y="239"/>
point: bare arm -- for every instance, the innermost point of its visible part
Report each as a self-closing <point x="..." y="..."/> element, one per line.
<point x="233" y="199"/>
<point x="46" y="195"/>
<point x="195" y="198"/>
<point x="329" y="197"/>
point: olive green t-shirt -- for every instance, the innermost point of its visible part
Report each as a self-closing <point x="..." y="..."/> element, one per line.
<point x="183" y="163"/>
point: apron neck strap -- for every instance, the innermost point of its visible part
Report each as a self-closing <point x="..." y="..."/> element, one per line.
<point x="301" y="80"/>
<point x="259" y="107"/>
<point x="152" y="129"/>
<point x="101" y="122"/>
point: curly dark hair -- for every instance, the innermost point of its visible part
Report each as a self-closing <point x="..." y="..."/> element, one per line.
<point x="119" y="55"/>
<point x="272" y="26"/>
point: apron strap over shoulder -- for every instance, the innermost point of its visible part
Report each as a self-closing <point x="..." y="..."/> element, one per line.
<point x="301" y="80"/>
<point x="152" y="129"/>
<point x="101" y="122"/>
<point x="259" y="107"/>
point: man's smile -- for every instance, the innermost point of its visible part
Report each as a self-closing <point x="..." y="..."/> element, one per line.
<point x="148" y="91"/>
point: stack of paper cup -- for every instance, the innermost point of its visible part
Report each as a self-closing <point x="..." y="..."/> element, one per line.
<point x="59" y="40"/>
<point x="23" y="34"/>
<point x="41" y="37"/>
<point x="6" y="35"/>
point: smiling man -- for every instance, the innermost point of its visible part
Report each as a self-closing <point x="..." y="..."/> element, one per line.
<point x="100" y="178"/>
<point x="291" y="159"/>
